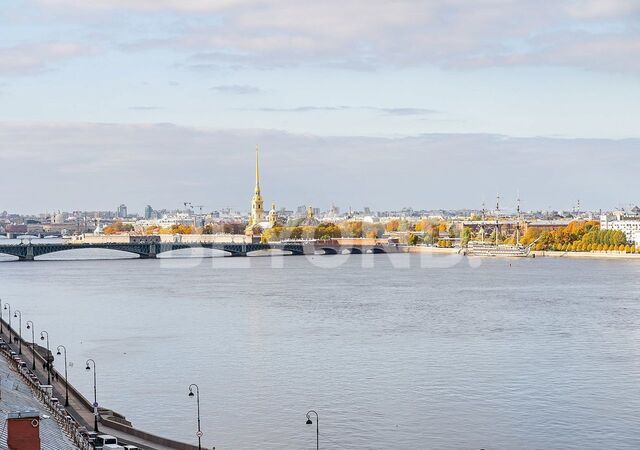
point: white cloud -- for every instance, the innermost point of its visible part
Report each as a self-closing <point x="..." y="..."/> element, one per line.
<point x="236" y="89"/>
<point x="85" y="166"/>
<point x="398" y="111"/>
<point x="603" y="9"/>
<point x="145" y="108"/>
<point x="148" y="5"/>
<point x="361" y="34"/>
<point x="33" y="58"/>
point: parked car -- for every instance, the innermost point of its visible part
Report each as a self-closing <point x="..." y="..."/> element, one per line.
<point x="102" y="440"/>
<point x="131" y="447"/>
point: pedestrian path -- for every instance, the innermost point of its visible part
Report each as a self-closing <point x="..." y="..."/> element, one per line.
<point x="79" y="412"/>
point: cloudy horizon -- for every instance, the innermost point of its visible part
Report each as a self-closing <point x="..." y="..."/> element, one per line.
<point x="427" y="104"/>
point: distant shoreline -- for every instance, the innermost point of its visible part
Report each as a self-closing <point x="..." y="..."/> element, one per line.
<point x="424" y="249"/>
<point x="592" y="255"/>
<point x="536" y="253"/>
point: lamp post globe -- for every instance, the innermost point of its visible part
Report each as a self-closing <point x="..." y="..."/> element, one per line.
<point x="33" y="344"/>
<point x="310" y="422"/>
<point x="95" y="394"/>
<point x="42" y="335"/>
<point x="18" y="314"/>
<point x="66" y="376"/>
<point x="197" y="395"/>
<point x="7" y="307"/>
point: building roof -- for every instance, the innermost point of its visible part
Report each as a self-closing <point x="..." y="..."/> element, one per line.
<point x="18" y="401"/>
<point x="23" y="414"/>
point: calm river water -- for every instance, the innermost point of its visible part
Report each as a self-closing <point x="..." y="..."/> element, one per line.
<point x="393" y="351"/>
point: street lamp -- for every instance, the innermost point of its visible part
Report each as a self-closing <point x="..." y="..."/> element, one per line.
<point x="95" y="395"/>
<point x="1" y="327"/>
<point x="42" y="333"/>
<point x="33" y="343"/>
<point x="66" y="378"/>
<point x="8" y="306"/>
<point x="18" y="314"/>
<point x="199" y="433"/>
<point x="310" y="422"/>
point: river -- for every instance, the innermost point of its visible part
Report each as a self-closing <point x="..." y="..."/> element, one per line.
<point x="393" y="351"/>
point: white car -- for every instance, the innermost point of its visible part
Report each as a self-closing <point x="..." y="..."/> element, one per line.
<point x="102" y="441"/>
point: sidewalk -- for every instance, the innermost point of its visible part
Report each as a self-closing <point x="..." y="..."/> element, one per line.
<point x="80" y="408"/>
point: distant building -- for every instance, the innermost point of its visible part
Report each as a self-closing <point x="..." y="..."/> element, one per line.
<point x="627" y="222"/>
<point x="273" y="216"/>
<point x="257" y="204"/>
<point x="257" y="221"/>
<point x="148" y="212"/>
<point x="122" y="211"/>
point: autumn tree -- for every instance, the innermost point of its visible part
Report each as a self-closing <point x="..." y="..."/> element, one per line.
<point x="117" y="227"/>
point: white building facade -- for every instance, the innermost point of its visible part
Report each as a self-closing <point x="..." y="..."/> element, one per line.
<point x="628" y="223"/>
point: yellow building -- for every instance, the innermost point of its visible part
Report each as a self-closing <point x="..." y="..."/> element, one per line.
<point x="258" y="222"/>
<point x="257" y="204"/>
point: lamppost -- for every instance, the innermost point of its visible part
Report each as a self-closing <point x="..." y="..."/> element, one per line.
<point x="199" y="433"/>
<point x="18" y="314"/>
<point x="42" y="333"/>
<point x="8" y="306"/>
<point x="33" y="343"/>
<point x="95" y="395"/>
<point x="1" y="327"/>
<point x="310" y="422"/>
<point x="66" y="378"/>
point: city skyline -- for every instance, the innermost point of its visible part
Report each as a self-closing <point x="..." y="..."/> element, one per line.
<point x="336" y="224"/>
<point x="420" y="106"/>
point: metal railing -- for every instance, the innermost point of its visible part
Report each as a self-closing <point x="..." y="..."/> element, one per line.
<point x="66" y="422"/>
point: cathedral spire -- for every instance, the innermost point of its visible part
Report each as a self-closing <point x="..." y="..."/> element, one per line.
<point x="257" y="172"/>
<point x="257" y="207"/>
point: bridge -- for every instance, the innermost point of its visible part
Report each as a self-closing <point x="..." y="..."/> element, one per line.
<point x="30" y="251"/>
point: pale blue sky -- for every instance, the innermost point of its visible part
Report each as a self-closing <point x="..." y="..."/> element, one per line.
<point x="362" y="71"/>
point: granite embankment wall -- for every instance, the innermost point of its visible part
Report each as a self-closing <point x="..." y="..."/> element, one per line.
<point x="107" y="417"/>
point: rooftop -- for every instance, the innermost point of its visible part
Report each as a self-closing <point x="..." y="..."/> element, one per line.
<point x="17" y="398"/>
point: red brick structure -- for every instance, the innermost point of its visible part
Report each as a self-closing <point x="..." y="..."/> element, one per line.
<point x="23" y="430"/>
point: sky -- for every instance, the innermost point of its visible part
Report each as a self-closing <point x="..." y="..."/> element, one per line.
<point x="379" y="103"/>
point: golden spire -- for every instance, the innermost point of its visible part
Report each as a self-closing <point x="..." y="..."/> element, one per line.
<point x="257" y="172"/>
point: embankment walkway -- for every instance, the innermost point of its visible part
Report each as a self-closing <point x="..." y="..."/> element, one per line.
<point x="81" y="409"/>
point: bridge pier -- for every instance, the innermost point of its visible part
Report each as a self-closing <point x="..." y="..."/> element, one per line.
<point x="29" y="256"/>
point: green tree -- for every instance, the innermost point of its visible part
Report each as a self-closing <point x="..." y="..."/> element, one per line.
<point x="466" y="236"/>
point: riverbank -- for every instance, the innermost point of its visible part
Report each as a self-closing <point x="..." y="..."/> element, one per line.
<point x="80" y="408"/>
<point x="435" y="250"/>
<point x="591" y="255"/>
<point x="536" y="254"/>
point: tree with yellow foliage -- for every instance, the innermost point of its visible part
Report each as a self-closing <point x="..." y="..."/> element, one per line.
<point x="117" y="227"/>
